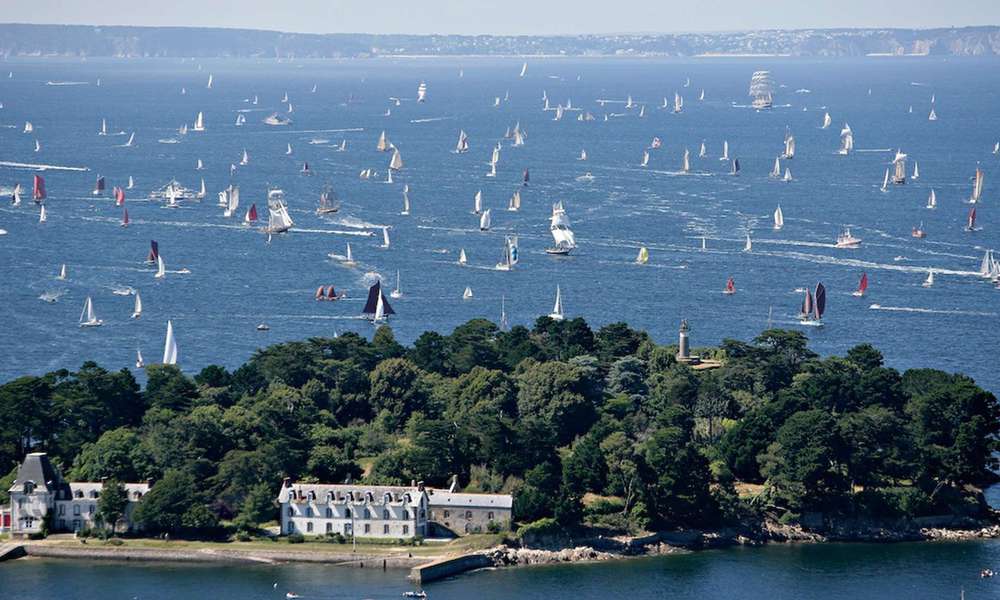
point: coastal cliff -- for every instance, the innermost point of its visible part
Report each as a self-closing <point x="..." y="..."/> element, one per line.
<point x="135" y="42"/>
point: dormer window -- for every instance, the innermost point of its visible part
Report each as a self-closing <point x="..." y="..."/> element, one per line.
<point x="137" y="495"/>
<point x="292" y="495"/>
<point x="350" y="496"/>
<point x="78" y="494"/>
<point x="312" y="495"/>
<point x="329" y="497"/>
<point x="93" y="493"/>
<point x="29" y="487"/>
<point x="407" y="498"/>
<point x="386" y="498"/>
<point x="370" y="496"/>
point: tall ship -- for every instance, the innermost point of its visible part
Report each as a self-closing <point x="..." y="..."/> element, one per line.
<point x="278" y="219"/>
<point x="565" y="241"/>
<point x="761" y="90"/>
<point x="899" y="168"/>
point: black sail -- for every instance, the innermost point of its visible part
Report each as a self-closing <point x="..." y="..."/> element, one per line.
<point x="820" y="300"/>
<point x="373" y="293"/>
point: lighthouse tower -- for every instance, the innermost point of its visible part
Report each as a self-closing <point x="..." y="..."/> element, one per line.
<point x="683" y="351"/>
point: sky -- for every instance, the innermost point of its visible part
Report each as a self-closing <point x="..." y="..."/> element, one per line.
<point x="507" y="17"/>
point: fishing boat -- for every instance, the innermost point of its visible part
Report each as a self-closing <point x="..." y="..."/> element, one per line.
<point x="929" y="282"/>
<point x="463" y="143"/>
<point x="87" y="317"/>
<point x="514" y="204"/>
<point x="971" y="226"/>
<point x="485" y="220"/>
<point x="251" y="215"/>
<point x="137" y="309"/>
<point x="862" y="286"/>
<point x="559" y="227"/>
<point x="467" y="294"/>
<point x="397" y="292"/>
<point x="730" y="288"/>
<point x="510" y="254"/>
<point x="161" y="268"/>
<point x="462" y="259"/>
<point x="789" y="152"/>
<point x="977" y="186"/>
<point x="827" y="121"/>
<point x="779" y="219"/>
<point x="761" y="90"/>
<point x="899" y="168"/>
<point x="918" y="231"/>
<point x="932" y="199"/>
<point x="328" y="201"/>
<point x="422" y="92"/>
<point x="170" y="346"/>
<point x="846" y="140"/>
<point x="377" y="307"/>
<point x="814" y="307"/>
<point x="643" y="256"/>
<point x="278" y="219"/>
<point x="846" y="240"/>
<point x="199" y="122"/>
<point x="557" y="308"/>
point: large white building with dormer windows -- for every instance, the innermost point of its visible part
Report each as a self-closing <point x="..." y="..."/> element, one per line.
<point x="367" y="511"/>
<point x="40" y="490"/>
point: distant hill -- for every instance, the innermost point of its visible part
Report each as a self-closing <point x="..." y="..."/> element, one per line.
<point x="97" y="41"/>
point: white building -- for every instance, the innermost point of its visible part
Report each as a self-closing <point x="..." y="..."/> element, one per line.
<point x="366" y="510"/>
<point x="40" y="490"/>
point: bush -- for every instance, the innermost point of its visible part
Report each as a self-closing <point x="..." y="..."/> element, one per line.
<point x="604" y="506"/>
<point x="335" y="538"/>
<point x="243" y="536"/>
<point x="544" y="526"/>
<point x="115" y="542"/>
<point x="789" y="517"/>
<point x="296" y="538"/>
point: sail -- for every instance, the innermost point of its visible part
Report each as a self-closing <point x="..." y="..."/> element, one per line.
<point x="88" y="316"/>
<point x="557" y="308"/>
<point x="846" y="140"/>
<point x="251" y="216"/>
<point x="383" y="143"/>
<point x="161" y="268"/>
<point x="374" y="296"/>
<point x="104" y="127"/>
<point x="422" y="92"/>
<point x="397" y="161"/>
<point x="678" y="103"/>
<point x="863" y="284"/>
<point x="524" y="69"/>
<point x="385" y="237"/>
<point x="643" y="256"/>
<point x="137" y="310"/>
<point x="477" y="202"/>
<point x="820" y="301"/>
<point x="462" y="259"/>
<point x="170" y="346"/>
<point x="827" y="121"/>
<point x="288" y="149"/>
<point x="559" y="227"/>
<point x="807" y="304"/>
<point x="885" y="181"/>
<point x="38" y="188"/>
<point x="972" y="219"/>
<point x="779" y="218"/>
<point x="463" y="142"/>
<point x="199" y="122"/>
<point x="485" y="220"/>
<point x="645" y="158"/>
<point x="42" y="215"/>
<point x="761" y="89"/>
<point x="515" y="201"/>
<point x="977" y="186"/>
<point x="736" y="167"/>
<point x="748" y="246"/>
<point x="526" y="177"/>
<point x="125" y="218"/>
<point x="776" y="171"/>
<point x="131" y="140"/>
<point x="730" y="286"/>
<point x="725" y="150"/>
<point x="789" y="146"/>
<point x="154" y="251"/>
<point x="686" y="166"/>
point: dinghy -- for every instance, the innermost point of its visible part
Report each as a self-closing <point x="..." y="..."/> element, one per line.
<point x="467" y="294"/>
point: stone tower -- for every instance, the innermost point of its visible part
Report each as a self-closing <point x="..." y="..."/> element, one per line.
<point x="683" y="352"/>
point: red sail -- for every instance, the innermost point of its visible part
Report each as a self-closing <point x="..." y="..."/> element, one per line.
<point x="863" y="284"/>
<point x="972" y="218"/>
<point x="730" y="285"/>
<point x="331" y="294"/>
<point x="119" y="196"/>
<point x="125" y="218"/>
<point x="252" y="215"/>
<point x="38" y="193"/>
<point x="807" y="304"/>
<point x="319" y="293"/>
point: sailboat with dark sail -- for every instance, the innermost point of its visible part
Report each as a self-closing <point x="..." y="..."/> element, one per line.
<point x="813" y="307"/>
<point x="377" y="308"/>
<point x="328" y="202"/>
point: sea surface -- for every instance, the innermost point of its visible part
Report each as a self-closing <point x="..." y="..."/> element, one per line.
<point x="238" y="280"/>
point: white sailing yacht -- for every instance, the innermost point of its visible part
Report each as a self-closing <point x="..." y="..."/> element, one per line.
<point x="38" y="146"/>
<point x="62" y="273"/>
<point x="137" y="310"/>
<point x="779" y="219"/>
<point x="933" y="116"/>
<point x="463" y="142"/>
<point x="788" y="175"/>
<point x="643" y="256"/>
<point x="383" y="143"/>
<point x="485" y="220"/>
<point x="932" y="199"/>
<point x="467" y="294"/>
<point x="776" y="170"/>
<point x="406" y="200"/>
<point x="139" y="363"/>
<point x="930" y="279"/>
<point x="678" y="103"/>
<point x="131" y="140"/>
<point x="245" y="159"/>
<point x="557" y="308"/>
<point x="789" y="152"/>
<point x="510" y="254"/>
<point x="827" y="121"/>
<point x="477" y="203"/>
<point x="977" y="186"/>
<point x="87" y="317"/>
<point x="161" y="269"/>
<point x="397" y="161"/>
<point x="515" y="201"/>
<point x="885" y="181"/>
<point x="462" y="259"/>
<point x="131" y="183"/>
<point x="288" y="150"/>
<point x="916" y="170"/>
<point x="560" y="230"/>
<point x="170" y="346"/>
<point x="748" y="246"/>
<point x="199" y="166"/>
<point x="725" y="150"/>
<point x="104" y="127"/>
<point x="199" y="122"/>
<point x="349" y="257"/>
<point x="385" y="237"/>
<point x="702" y="152"/>
<point x="397" y="292"/>
<point x="524" y="69"/>
<point x="42" y="215"/>
<point x="645" y="158"/>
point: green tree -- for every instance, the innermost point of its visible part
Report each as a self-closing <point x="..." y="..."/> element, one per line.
<point x="175" y="504"/>
<point x="112" y="503"/>
<point x="397" y="391"/>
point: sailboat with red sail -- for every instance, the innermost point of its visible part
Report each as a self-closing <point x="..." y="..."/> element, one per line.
<point x="119" y="196"/>
<point x="251" y="217"/>
<point x="730" y="287"/>
<point x="38" y="190"/>
<point x="972" y="220"/>
<point x="862" y="286"/>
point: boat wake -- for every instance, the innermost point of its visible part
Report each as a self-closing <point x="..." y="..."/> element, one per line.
<point x="431" y="119"/>
<point x="932" y="311"/>
<point x="864" y="264"/>
<point x="39" y="167"/>
<point x="333" y="232"/>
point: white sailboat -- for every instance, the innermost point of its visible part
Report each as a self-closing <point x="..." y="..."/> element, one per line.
<point x="245" y="159"/>
<point x="288" y="149"/>
<point x="397" y="292"/>
<point x="485" y="220"/>
<point x="397" y="161"/>
<point x="643" y="256"/>
<point x="406" y="200"/>
<point x="161" y="269"/>
<point x="131" y="183"/>
<point x="38" y="146"/>
<point x="789" y="152"/>
<point x="170" y="346"/>
<point x="131" y="140"/>
<point x="885" y="181"/>
<point x="62" y="273"/>
<point x="725" y="150"/>
<point x="467" y="294"/>
<point x="477" y="203"/>
<point x="930" y="279"/>
<point x="776" y="170"/>
<point x="788" y="175"/>
<point x="557" y="308"/>
<point x="933" y="115"/>
<point x="916" y="170"/>
<point x="827" y="121"/>
<point x="15" y="198"/>
<point x="201" y="191"/>
<point x="462" y="258"/>
<point x="678" y="103"/>
<point x="137" y="310"/>
<point x="278" y="219"/>
<point x="645" y="158"/>
<point x="846" y="140"/>
<point x="463" y="142"/>
<point x="349" y="257"/>
<point x="385" y="237"/>
<point x="383" y="143"/>
<point x="510" y="255"/>
<point x="28" y="127"/>
<point x="87" y="317"/>
<point x="209" y="84"/>
<point x="524" y="70"/>
<point x="932" y="199"/>
<point x="199" y="166"/>
<point x="199" y="122"/>
<point x="702" y="152"/>
<point x="42" y="215"/>
<point x="583" y="155"/>
<point x="104" y="127"/>
<point x="748" y="246"/>
<point x="515" y="201"/>
<point x="686" y="164"/>
<point x="139" y="363"/>
<point x="779" y="219"/>
<point x="977" y="186"/>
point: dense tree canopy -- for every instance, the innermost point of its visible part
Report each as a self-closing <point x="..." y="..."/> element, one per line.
<point x="604" y="427"/>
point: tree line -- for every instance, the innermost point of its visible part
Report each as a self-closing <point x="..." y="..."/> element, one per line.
<point x="602" y="428"/>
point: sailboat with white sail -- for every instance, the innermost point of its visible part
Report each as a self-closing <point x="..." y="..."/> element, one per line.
<point x="559" y="227"/>
<point x="397" y="161"/>
<point x="977" y="185"/>
<point x="385" y="238"/>
<point x="328" y="201"/>
<point x="62" y="273"/>
<point x="514" y="204"/>
<point x="139" y="363"/>
<point x="397" y="292"/>
<point x="686" y="163"/>
<point x="557" y="309"/>
<point x="702" y="151"/>
<point x="678" y="103"/>
<point x="137" y="309"/>
<point x="467" y="294"/>
<point x="779" y="219"/>
<point x="846" y="140"/>
<point x="885" y="181"/>
<point x="643" y="256"/>
<point x="485" y="220"/>
<point x="131" y="140"/>
<point x="42" y="215"/>
<point x="747" y="246"/>
<point x="383" y="143"/>
<point x="463" y="143"/>
<point x="929" y="282"/>
<point x="88" y="318"/>
<point x="232" y="197"/>
<point x="170" y="346"/>
<point x="916" y="171"/>
<point x="761" y="90"/>
<point x="462" y="258"/>
<point x="510" y="255"/>
<point x="776" y="170"/>
<point x="104" y="127"/>
<point x="931" y="200"/>
<point x="645" y="159"/>
<point x="725" y="150"/>
<point x="278" y="219"/>
<point x="245" y="158"/>
<point x="161" y="268"/>
<point x="789" y="152"/>
<point x="199" y="122"/>
<point x="827" y="121"/>
<point x="406" y="200"/>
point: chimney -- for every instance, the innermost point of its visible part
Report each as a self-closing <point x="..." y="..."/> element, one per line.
<point x="420" y="486"/>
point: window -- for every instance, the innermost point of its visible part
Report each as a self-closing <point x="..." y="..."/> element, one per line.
<point x="329" y="527"/>
<point x="312" y="495"/>
<point x="385" y="514"/>
<point x="489" y="516"/>
<point x="368" y="514"/>
<point x="291" y="527"/>
<point x="468" y="514"/>
<point x="76" y="524"/>
<point x="329" y="513"/>
<point x="348" y="530"/>
<point x="78" y="494"/>
<point x="309" y="527"/>
<point x="447" y="514"/>
<point x="368" y="528"/>
<point x="93" y="493"/>
<point x="309" y="511"/>
<point x="406" y="529"/>
<point x="91" y="509"/>
<point x="62" y="509"/>
<point x="406" y="514"/>
<point x="291" y="511"/>
<point x="385" y="529"/>
<point x="347" y="513"/>
<point x="76" y="510"/>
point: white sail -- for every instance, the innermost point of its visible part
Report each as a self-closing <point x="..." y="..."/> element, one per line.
<point x="199" y="122"/>
<point x="467" y="294"/>
<point x="288" y="149"/>
<point x="38" y="146"/>
<point x="161" y="269"/>
<point x="137" y="310"/>
<point x="789" y="146"/>
<point x="406" y="200"/>
<point x="510" y="254"/>
<point x="557" y="308"/>
<point x="42" y="215"/>
<point x="678" y="103"/>
<point x="846" y="140"/>
<point x="477" y="202"/>
<point x="977" y="186"/>
<point x="645" y="159"/>
<point x="524" y="69"/>
<point x="776" y="170"/>
<point x="462" y="258"/>
<point x="899" y="168"/>
<point x="583" y="155"/>
<point x="209" y="84"/>
<point x="245" y="159"/>
<point x="933" y="116"/>
<point x="827" y="121"/>
<point x="16" y="196"/>
<point x="383" y="143"/>
<point x="702" y="152"/>
<point x="349" y="258"/>
<point x="131" y="140"/>
<point x="725" y="150"/>
<point x="916" y="170"/>
<point x="131" y="183"/>
<point x="788" y="175"/>
<point x="779" y="218"/>
<point x="397" y="161"/>
<point x="930" y="278"/>
<point x="170" y="346"/>
<point x="104" y="127"/>
<point x="559" y="227"/>
<point x="932" y="199"/>
<point x="463" y="142"/>
<point x="385" y="237"/>
<point x="686" y="166"/>
<point x="885" y="181"/>
<point x="748" y="246"/>
<point x="643" y="256"/>
<point x="62" y="273"/>
<point x="484" y="220"/>
<point x="515" y="201"/>
<point x="28" y="127"/>
<point x="88" y="318"/>
<point x="278" y="218"/>
<point x="139" y="363"/>
<point x="761" y="90"/>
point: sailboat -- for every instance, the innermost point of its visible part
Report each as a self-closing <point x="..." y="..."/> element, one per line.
<point x="862" y="286"/>
<point x="201" y="191"/>
<point x="557" y="308"/>
<point x="918" y="231"/>
<point x="406" y="200"/>
<point x="251" y="215"/>
<point x="199" y="122"/>
<point x="170" y="346"/>
<point x="328" y="202"/>
<point x="98" y="186"/>
<point x="970" y="227"/>
<point x="702" y="151"/>
<point x="377" y="305"/>
<point x="477" y="203"/>
<point x="885" y="181"/>
<point x="383" y="143"/>
<point x="678" y="103"/>
<point x="524" y="69"/>
<point x="62" y="273"/>
<point x="462" y="259"/>
<point x="686" y="165"/>
<point x="510" y="254"/>
<point x="397" y="292"/>
<point x="42" y="215"/>
<point x="788" y="175"/>
<point x="38" y="146"/>
<point x="748" y="246"/>
<point x="789" y="152"/>
<point x="349" y="257"/>
<point x="131" y="140"/>
<point x="643" y="256"/>
<point x="38" y="189"/>
<point x="779" y="219"/>
<point x="814" y="307"/>
<point x="561" y="232"/>
<point x="485" y="220"/>
<point x="87" y="317"/>
<point x="104" y="127"/>
<point x="977" y="186"/>
<point x="154" y="252"/>
<point x="240" y="119"/>
<point x="701" y="96"/>
<point x="996" y="148"/>
<point x="119" y="195"/>
<point x="278" y="219"/>
<point x="385" y="237"/>
<point x="730" y="288"/>
<point x="899" y="168"/>
<point x="930" y="279"/>
<point x="209" y="84"/>
<point x="28" y="127"/>
<point x="846" y="140"/>
<point x="583" y="155"/>
<point x="463" y="142"/>
<point x="137" y="310"/>
<point x="161" y="269"/>
<point x="288" y="150"/>
<point x="725" y="150"/>
<point x="932" y="199"/>
<point x="645" y="158"/>
<point x="131" y="183"/>
<point x="422" y="92"/>
<point x="467" y="294"/>
<point x="232" y="196"/>
<point x="776" y="170"/>
<point x="138" y="359"/>
<point x="125" y="218"/>
<point x="916" y="170"/>
<point x="515" y="201"/>
<point x="933" y="116"/>
<point x="525" y="178"/>
<point x="15" y="197"/>
<point x="827" y="121"/>
<point x="245" y="159"/>
<point x="736" y="167"/>
<point x="397" y="161"/>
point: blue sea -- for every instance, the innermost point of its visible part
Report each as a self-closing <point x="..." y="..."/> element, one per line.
<point x="238" y="280"/>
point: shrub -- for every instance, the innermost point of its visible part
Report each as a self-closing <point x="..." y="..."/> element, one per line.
<point x="243" y="536"/>
<point x="115" y="542"/>
<point x="296" y="538"/>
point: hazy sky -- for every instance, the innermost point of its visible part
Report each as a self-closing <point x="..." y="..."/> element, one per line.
<point x="506" y="16"/>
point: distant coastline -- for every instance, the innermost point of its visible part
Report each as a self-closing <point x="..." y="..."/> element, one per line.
<point x="191" y="42"/>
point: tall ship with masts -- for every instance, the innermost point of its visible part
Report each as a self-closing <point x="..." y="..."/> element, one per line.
<point x="559" y="227"/>
<point x="846" y="140"/>
<point x="278" y="219"/>
<point x="899" y="168"/>
<point x="761" y="90"/>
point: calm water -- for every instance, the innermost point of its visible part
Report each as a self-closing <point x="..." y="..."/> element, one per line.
<point x="237" y="280"/>
<point x="917" y="571"/>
